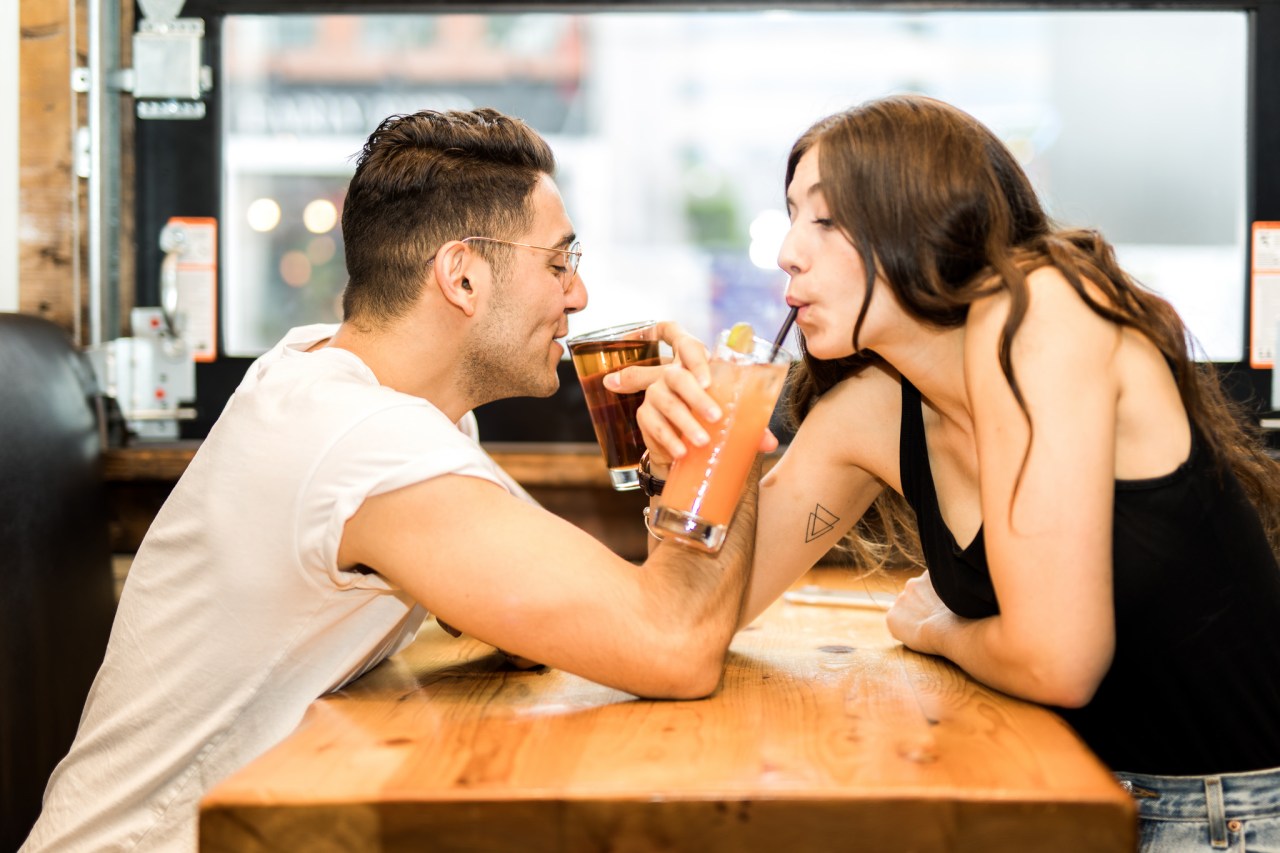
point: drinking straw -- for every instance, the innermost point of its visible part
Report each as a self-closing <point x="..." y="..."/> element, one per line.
<point x="782" y="333"/>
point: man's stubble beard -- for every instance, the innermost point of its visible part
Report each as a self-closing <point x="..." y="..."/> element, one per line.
<point x="493" y="365"/>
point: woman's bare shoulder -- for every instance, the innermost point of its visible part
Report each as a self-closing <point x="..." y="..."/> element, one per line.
<point x="861" y="417"/>
<point x="1051" y="300"/>
<point x="876" y="385"/>
<point x="1054" y="312"/>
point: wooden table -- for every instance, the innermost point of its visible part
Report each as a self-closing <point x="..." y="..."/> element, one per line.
<point x="825" y="735"/>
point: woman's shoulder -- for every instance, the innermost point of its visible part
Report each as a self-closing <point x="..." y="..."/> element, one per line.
<point x="1052" y="309"/>
<point x="868" y="405"/>
<point x="856" y="422"/>
<point x="878" y="383"/>
<point x="1037" y="349"/>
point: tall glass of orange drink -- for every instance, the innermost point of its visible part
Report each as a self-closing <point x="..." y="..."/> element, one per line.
<point x="705" y="484"/>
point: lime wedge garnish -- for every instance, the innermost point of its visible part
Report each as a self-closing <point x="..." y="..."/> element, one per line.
<point x="741" y="337"/>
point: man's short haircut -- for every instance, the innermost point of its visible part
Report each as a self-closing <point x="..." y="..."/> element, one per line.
<point x="423" y="180"/>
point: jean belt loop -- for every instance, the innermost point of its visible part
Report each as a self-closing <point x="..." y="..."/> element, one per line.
<point x="1217" y="812"/>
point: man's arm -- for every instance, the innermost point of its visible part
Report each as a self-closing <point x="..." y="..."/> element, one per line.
<point x="520" y="578"/>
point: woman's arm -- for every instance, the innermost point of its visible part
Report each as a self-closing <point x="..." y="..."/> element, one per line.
<point x="816" y="492"/>
<point x="824" y="482"/>
<point x="1047" y="525"/>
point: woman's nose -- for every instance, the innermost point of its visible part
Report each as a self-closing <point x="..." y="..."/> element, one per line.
<point x="788" y="257"/>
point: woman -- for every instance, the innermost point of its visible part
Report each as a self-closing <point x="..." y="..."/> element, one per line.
<point x="1098" y="530"/>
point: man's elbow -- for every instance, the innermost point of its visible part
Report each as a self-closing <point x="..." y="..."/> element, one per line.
<point x="685" y="673"/>
<point x="698" y="685"/>
<point x="698" y="682"/>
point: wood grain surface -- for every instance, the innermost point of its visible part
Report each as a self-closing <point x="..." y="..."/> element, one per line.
<point x="824" y="735"/>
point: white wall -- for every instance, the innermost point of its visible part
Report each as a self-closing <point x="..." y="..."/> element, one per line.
<point x="9" y="45"/>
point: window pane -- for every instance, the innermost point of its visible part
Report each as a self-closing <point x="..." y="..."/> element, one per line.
<point x="672" y="130"/>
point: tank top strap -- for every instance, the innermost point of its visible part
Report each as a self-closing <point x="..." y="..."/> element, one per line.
<point x="911" y="446"/>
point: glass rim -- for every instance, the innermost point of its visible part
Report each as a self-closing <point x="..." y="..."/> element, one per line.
<point x="757" y="343"/>
<point x="610" y="332"/>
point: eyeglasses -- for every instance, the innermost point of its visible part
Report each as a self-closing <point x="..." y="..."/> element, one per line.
<point x="572" y="256"/>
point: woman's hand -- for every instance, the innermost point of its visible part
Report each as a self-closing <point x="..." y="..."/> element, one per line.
<point x="677" y="405"/>
<point x="673" y="393"/>
<point x="919" y="619"/>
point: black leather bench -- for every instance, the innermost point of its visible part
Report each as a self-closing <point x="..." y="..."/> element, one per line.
<point x="56" y="593"/>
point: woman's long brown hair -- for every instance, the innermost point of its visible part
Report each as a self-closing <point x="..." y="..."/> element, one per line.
<point x="939" y="209"/>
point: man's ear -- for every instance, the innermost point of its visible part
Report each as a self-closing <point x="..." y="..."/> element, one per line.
<point x="454" y="261"/>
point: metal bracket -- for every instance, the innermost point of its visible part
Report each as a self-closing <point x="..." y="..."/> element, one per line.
<point x="171" y="109"/>
<point x="167" y="79"/>
<point x="82" y="156"/>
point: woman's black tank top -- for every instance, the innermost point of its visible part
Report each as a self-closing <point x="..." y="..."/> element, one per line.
<point x="1194" y="687"/>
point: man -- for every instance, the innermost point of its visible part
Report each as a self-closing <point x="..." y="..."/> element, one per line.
<point x="341" y="493"/>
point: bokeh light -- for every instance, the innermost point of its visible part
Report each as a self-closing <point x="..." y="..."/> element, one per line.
<point x="263" y="214"/>
<point x="768" y="230"/>
<point x="320" y="216"/>
<point x="295" y="269"/>
<point x="321" y="250"/>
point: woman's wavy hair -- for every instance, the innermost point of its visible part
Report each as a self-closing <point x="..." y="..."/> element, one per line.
<point x="939" y="209"/>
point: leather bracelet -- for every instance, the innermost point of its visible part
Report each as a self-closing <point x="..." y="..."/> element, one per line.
<point x="649" y="484"/>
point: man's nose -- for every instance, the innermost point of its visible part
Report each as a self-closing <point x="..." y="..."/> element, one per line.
<point x="576" y="297"/>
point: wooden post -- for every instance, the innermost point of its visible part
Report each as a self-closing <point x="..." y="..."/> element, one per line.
<point x="52" y="200"/>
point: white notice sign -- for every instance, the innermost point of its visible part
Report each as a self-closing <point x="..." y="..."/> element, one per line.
<point x="1264" y="294"/>
<point x="198" y="285"/>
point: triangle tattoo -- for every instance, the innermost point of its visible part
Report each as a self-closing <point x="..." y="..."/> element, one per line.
<point x="821" y="520"/>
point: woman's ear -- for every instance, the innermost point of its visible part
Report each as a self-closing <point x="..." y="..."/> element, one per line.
<point x="449" y="275"/>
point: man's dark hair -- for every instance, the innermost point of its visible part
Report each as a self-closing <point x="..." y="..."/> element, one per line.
<point x="427" y="178"/>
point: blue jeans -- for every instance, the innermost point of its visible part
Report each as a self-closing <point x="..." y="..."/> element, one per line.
<point x="1237" y="812"/>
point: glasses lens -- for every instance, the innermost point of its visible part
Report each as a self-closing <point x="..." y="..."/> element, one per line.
<point x="575" y="255"/>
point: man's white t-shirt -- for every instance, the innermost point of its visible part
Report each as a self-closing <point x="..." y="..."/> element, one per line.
<point x="235" y="615"/>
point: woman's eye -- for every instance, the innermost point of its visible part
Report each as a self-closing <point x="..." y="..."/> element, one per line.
<point x="822" y="223"/>
<point x="559" y="270"/>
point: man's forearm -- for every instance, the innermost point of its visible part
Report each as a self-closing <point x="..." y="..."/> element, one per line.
<point x="702" y="595"/>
